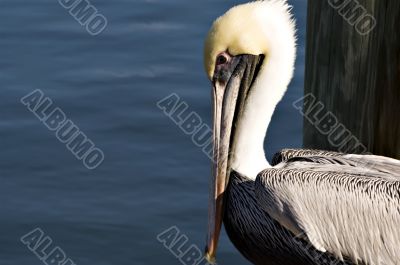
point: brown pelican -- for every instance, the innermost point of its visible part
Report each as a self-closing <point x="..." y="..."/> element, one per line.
<point x="308" y="207"/>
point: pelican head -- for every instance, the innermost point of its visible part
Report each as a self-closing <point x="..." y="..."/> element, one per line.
<point x="249" y="58"/>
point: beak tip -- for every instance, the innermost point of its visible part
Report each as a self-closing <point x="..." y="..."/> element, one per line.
<point x="210" y="258"/>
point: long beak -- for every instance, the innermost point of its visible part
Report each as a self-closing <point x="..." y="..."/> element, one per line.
<point x="230" y="89"/>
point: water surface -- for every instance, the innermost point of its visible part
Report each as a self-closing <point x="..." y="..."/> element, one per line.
<point x="153" y="176"/>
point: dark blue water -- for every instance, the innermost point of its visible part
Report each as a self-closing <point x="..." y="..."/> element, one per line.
<point x="153" y="176"/>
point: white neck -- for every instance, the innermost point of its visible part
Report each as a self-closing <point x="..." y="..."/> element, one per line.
<point x="248" y="157"/>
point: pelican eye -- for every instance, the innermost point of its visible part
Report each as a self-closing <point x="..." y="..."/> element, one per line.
<point x="222" y="59"/>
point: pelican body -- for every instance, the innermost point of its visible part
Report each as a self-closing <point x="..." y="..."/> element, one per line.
<point x="309" y="206"/>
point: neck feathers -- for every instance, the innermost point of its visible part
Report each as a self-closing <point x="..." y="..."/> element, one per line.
<point x="273" y="79"/>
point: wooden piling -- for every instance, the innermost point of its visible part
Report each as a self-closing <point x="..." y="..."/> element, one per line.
<point x="353" y="69"/>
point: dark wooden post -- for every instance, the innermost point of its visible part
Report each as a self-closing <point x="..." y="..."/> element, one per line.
<point x="353" y="70"/>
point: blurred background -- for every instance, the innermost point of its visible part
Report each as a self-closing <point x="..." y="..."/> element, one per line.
<point x="153" y="176"/>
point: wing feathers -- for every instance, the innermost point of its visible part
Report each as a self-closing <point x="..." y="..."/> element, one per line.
<point x="352" y="215"/>
<point x="388" y="166"/>
<point x="287" y="154"/>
